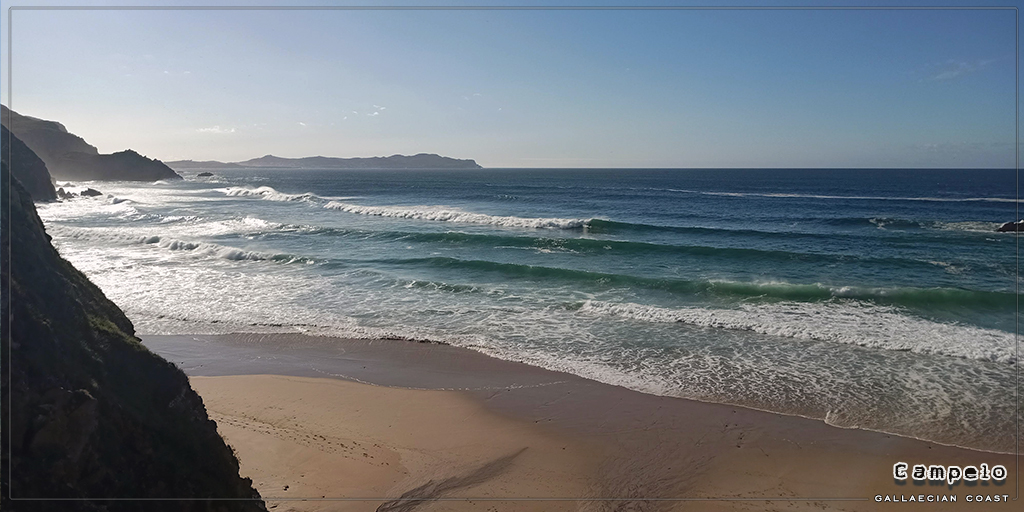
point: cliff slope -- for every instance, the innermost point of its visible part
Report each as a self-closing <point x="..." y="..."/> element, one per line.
<point x="92" y="412"/>
<point x="26" y="167"/>
<point x="69" y="157"/>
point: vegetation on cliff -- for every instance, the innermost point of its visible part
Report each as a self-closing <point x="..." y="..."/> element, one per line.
<point x="91" y="412"/>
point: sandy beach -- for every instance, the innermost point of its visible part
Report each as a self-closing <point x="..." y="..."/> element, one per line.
<point x="395" y="425"/>
<point x="299" y="437"/>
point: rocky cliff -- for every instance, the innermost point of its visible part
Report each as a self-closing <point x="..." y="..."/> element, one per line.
<point x="125" y="165"/>
<point x="69" y="157"/>
<point x="88" y="411"/>
<point x="26" y="167"/>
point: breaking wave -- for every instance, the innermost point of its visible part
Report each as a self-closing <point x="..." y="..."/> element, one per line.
<point x="270" y="194"/>
<point x="450" y="214"/>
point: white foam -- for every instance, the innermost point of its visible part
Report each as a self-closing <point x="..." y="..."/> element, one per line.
<point x="179" y="218"/>
<point x="199" y="249"/>
<point x="451" y="214"/>
<point x="849" y="322"/>
<point x="974" y="226"/>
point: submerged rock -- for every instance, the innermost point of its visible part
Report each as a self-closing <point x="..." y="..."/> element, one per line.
<point x="204" y="174"/>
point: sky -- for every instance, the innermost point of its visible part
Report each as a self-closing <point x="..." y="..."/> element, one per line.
<point x="527" y="88"/>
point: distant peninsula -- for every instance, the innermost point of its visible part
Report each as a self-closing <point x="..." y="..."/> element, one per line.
<point x="69" y="157"/>
<point x="420" y="161"/>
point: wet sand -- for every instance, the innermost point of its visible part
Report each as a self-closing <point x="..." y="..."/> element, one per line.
<point x="444" y="428"/>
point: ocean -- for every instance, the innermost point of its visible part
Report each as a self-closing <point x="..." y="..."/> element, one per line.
<point x="878" y="299"/>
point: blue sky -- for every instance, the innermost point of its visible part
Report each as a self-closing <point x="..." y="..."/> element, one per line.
<point x="534" y="88"/>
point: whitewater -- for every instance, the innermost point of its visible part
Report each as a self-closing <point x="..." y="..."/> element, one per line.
<point x="880" y="299"/>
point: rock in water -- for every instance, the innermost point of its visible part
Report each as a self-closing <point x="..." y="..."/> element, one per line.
<point x="91" y="192"/>
<point x="1012" y="226"/>
<point x="204" y="174"/>
<point x="92" y="412"/>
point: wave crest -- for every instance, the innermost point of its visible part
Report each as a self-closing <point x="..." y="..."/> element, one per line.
<point x="201" y="249"/>
<point x="449" y="214"/>
<point x="270" y="194"/>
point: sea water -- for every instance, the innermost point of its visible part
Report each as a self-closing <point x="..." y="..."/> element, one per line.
<point x="880" y="299"/>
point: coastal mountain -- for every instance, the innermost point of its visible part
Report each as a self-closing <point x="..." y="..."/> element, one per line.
<point x="185" y="165"/>
<point x="90" y="413"/>
<point x="419" y="161"/>
<point x="27" y="167"/>
<point x="69" y="157"/>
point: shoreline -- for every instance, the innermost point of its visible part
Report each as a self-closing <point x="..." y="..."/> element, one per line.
<point x="249" y="345"/>
<point x="646" y="446"/>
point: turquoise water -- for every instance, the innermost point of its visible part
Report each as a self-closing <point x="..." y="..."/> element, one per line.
<point x="879" y="299"/>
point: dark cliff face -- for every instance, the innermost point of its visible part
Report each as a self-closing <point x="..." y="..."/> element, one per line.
<point x="69" y="157"/>
<point x="123" y="166"/>
<point x="92" y="412"/>
<point x="49" y="139"/>
<point x="26" y="167"/>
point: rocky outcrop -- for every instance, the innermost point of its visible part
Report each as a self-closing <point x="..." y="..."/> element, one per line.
<point x="27" y="167"/>
<point x="69" y="157"/>
<point x="1011" y="227"/>
<point x="89" y="411"/>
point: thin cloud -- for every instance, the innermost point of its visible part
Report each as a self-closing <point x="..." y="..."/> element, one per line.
<point x="215" y="129"/>
<point x="951" y="148"/>
<point x="953" y="69"/>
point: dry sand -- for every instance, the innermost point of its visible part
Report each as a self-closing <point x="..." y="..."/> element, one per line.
<point x="484" y="428"/>
<point x="299" y="437"/>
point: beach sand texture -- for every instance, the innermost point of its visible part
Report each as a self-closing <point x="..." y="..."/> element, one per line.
<point x="489" y="445"/>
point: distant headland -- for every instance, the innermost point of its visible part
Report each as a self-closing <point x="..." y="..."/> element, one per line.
<point x="419" y="161"/>
<point x="69" y="157"/>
